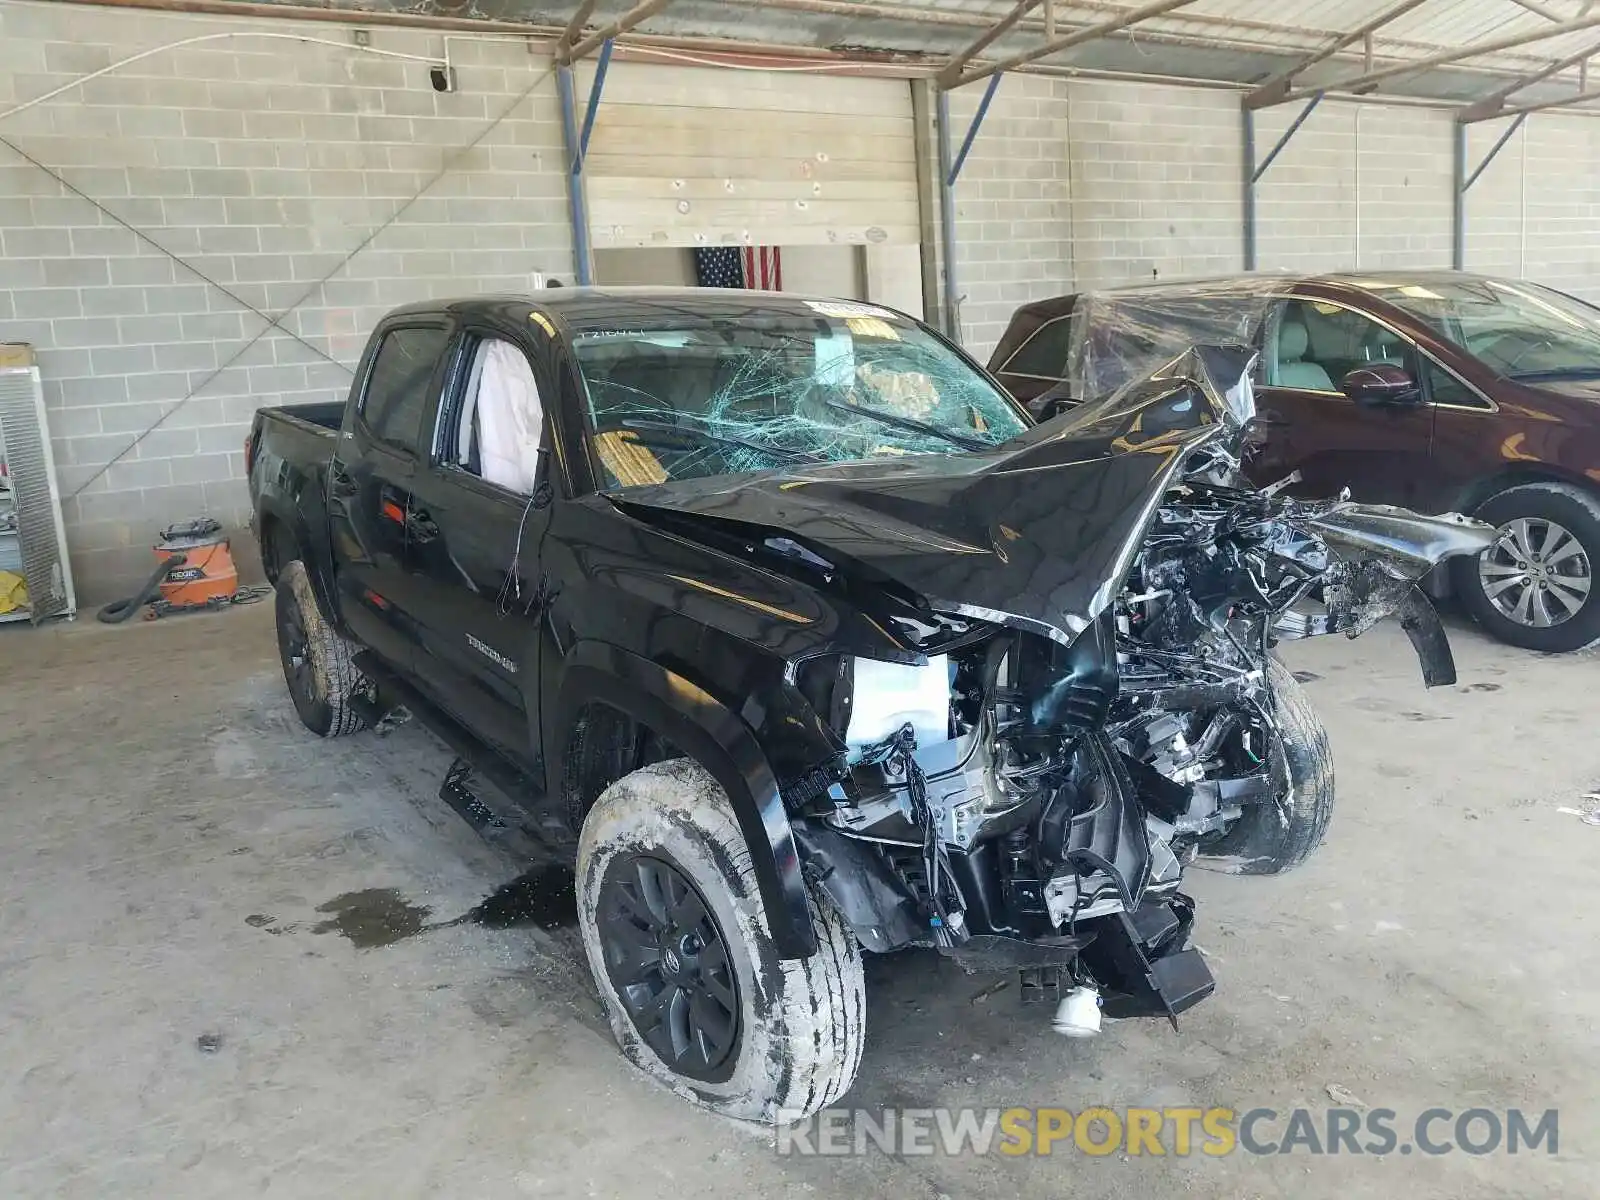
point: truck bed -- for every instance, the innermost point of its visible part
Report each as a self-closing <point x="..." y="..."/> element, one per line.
<point x="327" y="415"/>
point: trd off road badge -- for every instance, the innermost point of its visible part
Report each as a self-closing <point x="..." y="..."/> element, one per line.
<point x="492" y="654"/>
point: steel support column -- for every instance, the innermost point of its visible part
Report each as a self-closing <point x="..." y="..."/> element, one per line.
<point x="951" y="308"/>
<point x="949" y="171"/>
<point x="1254" y="172"/>
<point x="576" y="138"/>
<point x="1464" y="181"/>
<point x="1458" y="200"/>
<point x="1249" y="180"/>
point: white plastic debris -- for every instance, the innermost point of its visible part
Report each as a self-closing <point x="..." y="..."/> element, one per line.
<point x="1078" y="1014"/>
<point x="1340" y="1094"/>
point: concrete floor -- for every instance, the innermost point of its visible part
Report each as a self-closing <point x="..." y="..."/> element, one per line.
<point x="173" y="1024"/>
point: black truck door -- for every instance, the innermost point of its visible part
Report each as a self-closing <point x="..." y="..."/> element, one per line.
<point x="473" y="552"/>
<point x="375" y="464"/>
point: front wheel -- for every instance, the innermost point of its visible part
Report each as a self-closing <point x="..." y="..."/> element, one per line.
<point x="1276" y="836"/>
<point x="676" y="935"/>
<point x="1534" y="587"/>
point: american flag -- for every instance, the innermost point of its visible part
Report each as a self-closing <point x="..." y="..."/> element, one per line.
<point x="756" y="267"/>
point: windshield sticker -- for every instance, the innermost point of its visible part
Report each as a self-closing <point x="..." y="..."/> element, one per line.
<point x="843" y="309"/>
<point x="872" y="327"/>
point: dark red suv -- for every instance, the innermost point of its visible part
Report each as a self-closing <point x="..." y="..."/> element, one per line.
<point x="1432" y="389"/>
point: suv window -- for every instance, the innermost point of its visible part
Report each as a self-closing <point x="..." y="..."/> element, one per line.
<point x="1444" y="388"/>
<point x="1044" y="354"/>
<point x="397" y="389"/>
<point x="1317" y="345"/>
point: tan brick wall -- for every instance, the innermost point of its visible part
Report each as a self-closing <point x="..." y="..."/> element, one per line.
<point x="1155" y="182"/>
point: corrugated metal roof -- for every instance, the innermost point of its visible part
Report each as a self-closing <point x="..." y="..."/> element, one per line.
<point x="1232" y="41"/>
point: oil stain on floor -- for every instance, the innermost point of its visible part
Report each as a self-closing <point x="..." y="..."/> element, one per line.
<point x="372" y="917"/>
<point x="544" y="897"/>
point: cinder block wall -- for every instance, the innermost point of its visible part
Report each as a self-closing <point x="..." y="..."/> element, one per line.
<point x="1013" y="203"/>
<point x="1562" y="186"/>
<point x="321" y="182"/>
<point x="1155" y="182"/>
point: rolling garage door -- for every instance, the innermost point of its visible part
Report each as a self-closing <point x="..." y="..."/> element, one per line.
<point x="692" y="156"/>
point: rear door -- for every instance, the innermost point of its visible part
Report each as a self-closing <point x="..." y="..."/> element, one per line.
<point x="1382" y="454"/>
<point x="478" y="515"/>
<point x="375" y="464"/>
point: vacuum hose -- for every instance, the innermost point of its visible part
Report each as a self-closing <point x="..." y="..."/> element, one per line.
<point x="119" y="611"/>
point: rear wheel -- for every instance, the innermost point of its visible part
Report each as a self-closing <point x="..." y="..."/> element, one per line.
<point x="677" y="938"/>
<point x="1534" y="587"/>
<point x="317" y="664"/>
<point x="1270" y="838"/>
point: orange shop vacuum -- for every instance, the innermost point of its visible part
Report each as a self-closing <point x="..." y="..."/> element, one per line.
<point x="194" y="570"/>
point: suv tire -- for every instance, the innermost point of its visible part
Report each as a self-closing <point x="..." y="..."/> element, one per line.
<point x="676" y="934"/>
<point x="1528" y="518"/>
<point x="317" y="664"/>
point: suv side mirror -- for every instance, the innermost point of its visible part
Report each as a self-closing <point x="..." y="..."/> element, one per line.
<point x="1381" y="384"/>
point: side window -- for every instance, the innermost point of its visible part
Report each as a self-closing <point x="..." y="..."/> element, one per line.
<point x="396" y="400"/>
<point x="1318" y="344"/>
<point x="500" y="419"/>
<point x="1444" y="388"/>
<point x="1044" y="354"/>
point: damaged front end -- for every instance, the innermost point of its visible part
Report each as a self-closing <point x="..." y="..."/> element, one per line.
<point x="1025" y="790"/>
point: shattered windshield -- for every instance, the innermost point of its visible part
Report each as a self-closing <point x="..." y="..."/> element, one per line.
<point x="1518" y="330"/>
<point x="684" y="396"/>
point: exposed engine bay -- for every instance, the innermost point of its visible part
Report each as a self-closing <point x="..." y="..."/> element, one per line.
<point x="1026" y="801"/>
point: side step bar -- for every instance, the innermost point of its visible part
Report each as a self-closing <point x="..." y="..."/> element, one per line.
<point x="508" y="812"/>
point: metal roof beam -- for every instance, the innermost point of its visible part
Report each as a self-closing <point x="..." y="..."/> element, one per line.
<point x="574" y="28"/>
<point x="952" y="70"/>
<point x="1494" y="104"/>
<point x="1367" y="80"/>
<point x="1522" y="110"/>
<point x="1275" y="89"/>
<point x="1077" y="37"/>
<point x="634" y="16"/>
<point x="1539" y="10"/>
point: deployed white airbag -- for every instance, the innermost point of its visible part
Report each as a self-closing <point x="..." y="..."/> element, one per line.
<point x="888" y="695"/>
<point x="510" y="417"/>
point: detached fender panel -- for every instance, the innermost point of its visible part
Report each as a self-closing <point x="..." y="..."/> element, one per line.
<point x="694" y="721"/>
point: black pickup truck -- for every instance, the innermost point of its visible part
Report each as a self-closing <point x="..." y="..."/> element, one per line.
<point x="801" y="638"/>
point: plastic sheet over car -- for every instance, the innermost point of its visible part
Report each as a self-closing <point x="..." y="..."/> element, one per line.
<point x="1120" y="337"/>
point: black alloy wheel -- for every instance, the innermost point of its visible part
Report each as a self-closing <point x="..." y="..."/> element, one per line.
<point x="669" y="964"/>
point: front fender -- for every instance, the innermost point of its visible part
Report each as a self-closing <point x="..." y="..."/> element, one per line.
<point x="1410" y="542"/>
<point x="714" y="736"/>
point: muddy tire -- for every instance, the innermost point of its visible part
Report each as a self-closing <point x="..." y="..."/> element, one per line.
<point x="1502" y="587"/>
<point x="1272" y="838"/>
<point x="677" y="938"/>
<point x="316" y="661"/>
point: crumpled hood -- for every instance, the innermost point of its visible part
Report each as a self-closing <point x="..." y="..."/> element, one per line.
<point x="1039" y="533"/>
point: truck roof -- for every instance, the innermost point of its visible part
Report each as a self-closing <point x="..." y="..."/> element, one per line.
<point x="589" y="308"/>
